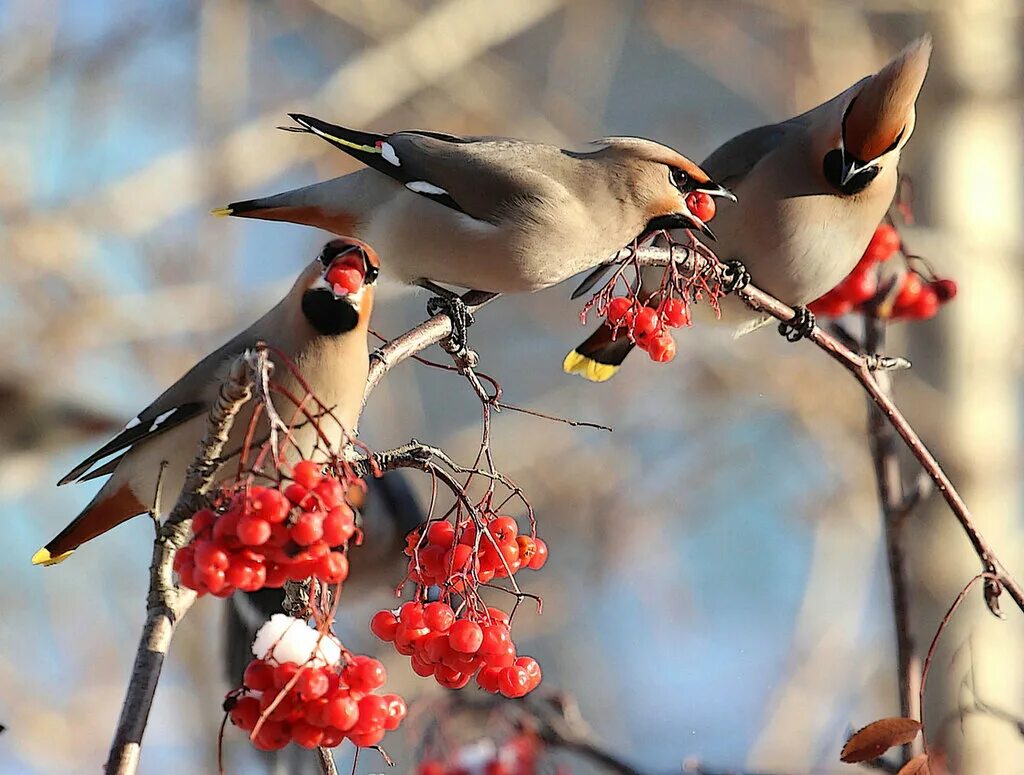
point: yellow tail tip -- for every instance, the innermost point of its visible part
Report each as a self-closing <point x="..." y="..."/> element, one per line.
<point x="588" y="368"/>
<point x="222" y="212"/>
<point x="43" y="557"/>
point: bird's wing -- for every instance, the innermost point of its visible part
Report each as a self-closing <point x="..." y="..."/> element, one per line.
<point x="730" y="162"/>
<point x="188" y="397"/>
<point x="478" y="176"/>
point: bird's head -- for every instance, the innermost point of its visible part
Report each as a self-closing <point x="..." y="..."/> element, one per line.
<point x="877" y="119"/>
<point x="337" y="288"/>
<point x="674" y="192"/>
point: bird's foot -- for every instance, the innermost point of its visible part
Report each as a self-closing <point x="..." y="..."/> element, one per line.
<point x="454" y="308"/>
<point x="799" y="326"/>
<point x="735" y="277"/>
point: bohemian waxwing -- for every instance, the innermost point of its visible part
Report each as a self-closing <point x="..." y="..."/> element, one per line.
<point x="491" y="213"/>
<point x="811" y="191"/>
<point x="320" y="327"/>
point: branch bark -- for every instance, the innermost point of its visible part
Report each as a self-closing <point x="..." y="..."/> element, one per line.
<point x="167" y="603"/>
<point x="864" y="368"/>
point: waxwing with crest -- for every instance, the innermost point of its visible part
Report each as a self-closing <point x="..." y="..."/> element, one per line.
<point x="320" y="326"/>
<point x="811" y="191"/>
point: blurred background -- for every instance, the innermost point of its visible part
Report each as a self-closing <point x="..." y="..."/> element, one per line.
<point x="717" y="591"/>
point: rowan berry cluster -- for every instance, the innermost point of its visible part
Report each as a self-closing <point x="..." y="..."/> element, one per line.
<point x="454" y="645"/>
<point x="915" y="297"/>
<point x="518" y="755"/>
<point x="648" y="327"/>
<point x="266" y="536"/>
<point x="300" y="688"/>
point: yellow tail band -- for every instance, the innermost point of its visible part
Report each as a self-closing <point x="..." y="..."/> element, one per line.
<point x="221" y="212"/>
<point x="588" y="368"/>
<point x="43" y="557"/>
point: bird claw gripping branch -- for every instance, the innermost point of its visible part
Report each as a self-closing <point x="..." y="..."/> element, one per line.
<point x="799" y="326"/>
<point x="455" y="309"/>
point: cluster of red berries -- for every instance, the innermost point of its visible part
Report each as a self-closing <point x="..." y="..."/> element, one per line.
<point x="316" y="703"/>
<point x="915" y="299"/>
<point x="269" y="535"/>
<point x="519" y="755"/>
<point x="648" y="327"/>
<point x="453" y="648"/>
<point x="437" y="558"/>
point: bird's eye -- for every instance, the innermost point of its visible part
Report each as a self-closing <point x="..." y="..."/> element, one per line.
<point x="679" y="178"/>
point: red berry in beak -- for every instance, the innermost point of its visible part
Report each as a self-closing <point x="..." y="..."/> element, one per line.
<point x="700" y="205"/>
<point x="344" y="279"/>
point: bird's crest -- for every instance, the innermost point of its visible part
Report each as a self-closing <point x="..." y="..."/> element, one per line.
<point x="882" y="111"/>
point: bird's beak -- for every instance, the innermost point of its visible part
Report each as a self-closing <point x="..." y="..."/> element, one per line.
<point x="717" y="190"/>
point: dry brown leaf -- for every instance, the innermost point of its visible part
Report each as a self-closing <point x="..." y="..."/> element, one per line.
<point x="878" y="737"/>
<point x="916" y="766"/>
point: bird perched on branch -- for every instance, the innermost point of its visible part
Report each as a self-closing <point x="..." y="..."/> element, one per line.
<point x="491" y="213"/>
<point x="811" y="191"/>
<point x="321" y="326"/>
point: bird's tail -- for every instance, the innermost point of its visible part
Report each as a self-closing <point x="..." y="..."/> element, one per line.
<point x="599" y="357"/>
<point x="105" y="511"/>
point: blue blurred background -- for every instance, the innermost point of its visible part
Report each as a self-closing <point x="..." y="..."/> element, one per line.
<point x="717" y="591"/>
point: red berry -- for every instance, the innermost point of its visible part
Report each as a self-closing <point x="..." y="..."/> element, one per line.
<point x="645" y="322"/>
<point x="383" y="625"/>
<point x="434" y="647"/>
<point x="663" y="348"/>
<point x="306" y="735"/>
<point x="674" y="313"/>
<point x="442" y="534"/>
<point x="428" y="767"/>
<point x="284" y="673"/>
<point x="700" y="205"/>
<point x="859" y="287"/>
<point x="333" y="737"/>
<point x="831" y="305"/>
<point x="411" y="614"/>
<point x="465" y="636"/>
<point x="209" y="556"/>
<point x="245" y="713"/>
<point x="296" y="493"/>
<point x="312" y="684"/>
<point x="532" y="668"/>
<point x="497" y="615"/>
<point x="540" y="557"/>
<point x="944" y="289"/>
<point x="617" y="309"/>
<point x="307" y="473"/>
<point x="367" y="739"/>
<point x="339" y="525"/>
<point x="450" y="678"/>
<point x="373" y="712"/>
<point x="332" y="568"/>
<point x="269" y="504"/>
<point x="909" y="291"/>
<point x="253" y="531"/>
<point x="308" y="528"/>
<point x="884" y="243"/>
<point x="926" y="305"/>
<point x="527" y="549"/>
<point x="330" y="492"/>
<point x="487" y="678"/>
<point x="495" y="640"/>
<point x="273" y="736"/>
<point x="397" y="711"/>
<point x="364" y="674"/>
<point x="438" y="616"/>
<point x="341" y="712"/>
<point x="202" y="521"/>
<point x="514" y="681"/>
<point x="344" y="279"/>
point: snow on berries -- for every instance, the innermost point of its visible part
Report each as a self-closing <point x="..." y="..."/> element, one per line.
<point x="302" y="687"/>
<point x="913" y="297"/>
<point x="264" y="536"/>
<point x="454" y="645"/>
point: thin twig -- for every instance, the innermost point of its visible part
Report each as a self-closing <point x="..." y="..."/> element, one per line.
<point x="167" y="603"/>
<point x="863" y="369"/>
<point x="895" y="509"/>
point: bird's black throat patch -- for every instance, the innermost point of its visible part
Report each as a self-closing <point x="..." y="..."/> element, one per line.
<point x="328" y="314"/>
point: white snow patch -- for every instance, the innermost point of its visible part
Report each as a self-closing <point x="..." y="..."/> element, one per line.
<point x="284" y="639"/>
